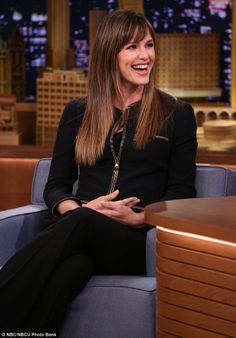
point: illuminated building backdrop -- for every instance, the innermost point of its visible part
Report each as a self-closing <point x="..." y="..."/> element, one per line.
<point x="166" y="16"/>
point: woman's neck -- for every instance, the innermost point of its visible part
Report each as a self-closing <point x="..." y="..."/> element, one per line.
<point x="130" y="96"/>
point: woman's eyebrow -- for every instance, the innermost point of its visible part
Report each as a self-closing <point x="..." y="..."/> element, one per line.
<point x="137" y="41"/>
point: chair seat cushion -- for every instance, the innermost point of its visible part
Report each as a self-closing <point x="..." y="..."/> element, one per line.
<point x="113" y="306"/>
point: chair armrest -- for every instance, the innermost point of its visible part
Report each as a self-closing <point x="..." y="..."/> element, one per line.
<point x="151" y="253"/>
<point x="18" y="226"/>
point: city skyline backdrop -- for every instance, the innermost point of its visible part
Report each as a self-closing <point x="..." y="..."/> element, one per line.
<point x="166" y="16"/>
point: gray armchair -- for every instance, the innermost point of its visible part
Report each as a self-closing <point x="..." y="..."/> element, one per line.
<point x="109" y="306"/>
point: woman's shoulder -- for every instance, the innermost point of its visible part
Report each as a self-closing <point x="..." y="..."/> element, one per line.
<point x="167" y="102"/>
<point x="184" y="117"/>
<point x="165" y="97"/>
<point x="174" y="105"/>
<point x="77" y="105"/>
<point x="184" y="110"/>
<point x="72" y="117"/>
<point x="74" y="110"/>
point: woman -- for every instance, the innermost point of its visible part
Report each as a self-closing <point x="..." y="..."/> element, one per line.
<point x="134" y="145"/>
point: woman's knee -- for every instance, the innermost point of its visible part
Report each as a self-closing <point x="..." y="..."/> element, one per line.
<point x="77" y="267"/>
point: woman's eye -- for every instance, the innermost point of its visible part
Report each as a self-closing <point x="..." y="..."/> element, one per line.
<point x="150" y="45"/>
<point x="131" y="47"/>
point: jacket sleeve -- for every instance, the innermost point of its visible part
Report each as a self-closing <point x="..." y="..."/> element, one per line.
<point x="64" y="170"/>
<point x="181" y="166"/>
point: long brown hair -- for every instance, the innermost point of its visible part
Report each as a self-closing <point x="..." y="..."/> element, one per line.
<point x="115" y="31"/>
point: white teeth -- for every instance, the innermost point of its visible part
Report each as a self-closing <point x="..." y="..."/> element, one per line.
<point x="140" y="67"/>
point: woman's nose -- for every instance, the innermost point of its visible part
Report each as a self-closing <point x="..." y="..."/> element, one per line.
<point x="143" y="54"/>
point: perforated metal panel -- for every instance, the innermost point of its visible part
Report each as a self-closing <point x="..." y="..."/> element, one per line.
<point x="188" y="60"/>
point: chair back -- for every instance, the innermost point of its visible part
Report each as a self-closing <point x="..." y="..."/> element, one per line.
<point x="210" y="181"/>
<point x="213" y="181"/>
<point x="39" y="180"/>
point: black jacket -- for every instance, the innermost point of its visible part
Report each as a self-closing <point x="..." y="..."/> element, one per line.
<point x="164" y="170"/>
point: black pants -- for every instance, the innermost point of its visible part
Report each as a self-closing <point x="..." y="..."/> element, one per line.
<point x="38" y="283"/>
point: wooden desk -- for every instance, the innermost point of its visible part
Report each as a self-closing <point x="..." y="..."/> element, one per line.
<point x="196" y="267"/>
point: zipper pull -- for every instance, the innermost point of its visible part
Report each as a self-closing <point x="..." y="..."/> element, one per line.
<point x="116" y="166"/>
<point x="114" y="177"/>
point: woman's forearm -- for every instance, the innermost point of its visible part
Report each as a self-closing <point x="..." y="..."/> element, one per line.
<point x="66" y="205"/>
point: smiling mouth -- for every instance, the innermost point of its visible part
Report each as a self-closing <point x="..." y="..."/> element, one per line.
<point x="141" y="68"/>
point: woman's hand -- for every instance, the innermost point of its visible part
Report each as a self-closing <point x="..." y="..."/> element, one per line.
<point x="123" y="214"/>
<point x="120" y="210"/>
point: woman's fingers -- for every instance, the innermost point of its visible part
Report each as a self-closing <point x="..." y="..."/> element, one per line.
<point x="113" y="209"/>
<point x="107" y="202"/>
<point x="129" y="202"/>
<point x="111" y="196"/>
<point x="108" y="205"/>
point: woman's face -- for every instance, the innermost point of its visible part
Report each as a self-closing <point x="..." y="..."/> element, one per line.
<point x="135" y="61"/>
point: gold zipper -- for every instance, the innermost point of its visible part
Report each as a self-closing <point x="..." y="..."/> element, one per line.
<point x="117" y="157"/>
<point x="114" y="178"/>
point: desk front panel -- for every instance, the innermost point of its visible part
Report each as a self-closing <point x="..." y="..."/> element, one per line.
<point x="196" y="287"/>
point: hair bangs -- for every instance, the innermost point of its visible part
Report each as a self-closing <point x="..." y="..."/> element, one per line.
<point x="139" y="31"/>
<point x="135" y="30"/>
